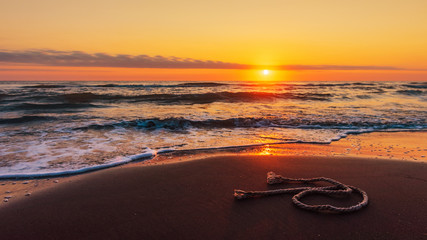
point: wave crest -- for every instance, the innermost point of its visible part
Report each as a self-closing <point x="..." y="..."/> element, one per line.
<point x="184" y="124"/>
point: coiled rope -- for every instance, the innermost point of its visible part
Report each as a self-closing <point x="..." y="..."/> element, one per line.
<point x="337" y="189"/>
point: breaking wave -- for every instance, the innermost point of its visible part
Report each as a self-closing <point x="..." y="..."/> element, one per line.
<point x="184" y="124"/>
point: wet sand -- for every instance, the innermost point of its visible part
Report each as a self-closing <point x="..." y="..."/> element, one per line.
<point x="194" y="200"/>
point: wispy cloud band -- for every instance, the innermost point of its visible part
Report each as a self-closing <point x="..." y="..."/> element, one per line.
<point x="81" y="59"/>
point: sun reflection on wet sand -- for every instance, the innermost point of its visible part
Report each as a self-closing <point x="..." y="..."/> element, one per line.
<point x="266" y="150"/>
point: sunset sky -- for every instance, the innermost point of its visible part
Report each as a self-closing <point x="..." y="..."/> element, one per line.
<point x="213" y="40"/>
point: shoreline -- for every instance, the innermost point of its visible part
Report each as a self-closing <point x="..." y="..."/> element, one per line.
<point x="389" y="146"/>
<point x="194" y="199"/>
<point x="344" y="146"/>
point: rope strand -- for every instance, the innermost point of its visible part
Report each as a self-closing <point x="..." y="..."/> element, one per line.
<point x="337" y="189"/>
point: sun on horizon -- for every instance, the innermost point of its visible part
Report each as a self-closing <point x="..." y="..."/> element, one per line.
<point x="200" y="41"/>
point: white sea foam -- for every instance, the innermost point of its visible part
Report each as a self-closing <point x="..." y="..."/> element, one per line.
<point x="115" y="162"/>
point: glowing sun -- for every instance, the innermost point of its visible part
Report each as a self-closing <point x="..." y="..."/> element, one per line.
<point x="265" y="72"/>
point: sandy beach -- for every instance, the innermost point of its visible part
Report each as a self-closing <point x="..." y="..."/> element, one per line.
<point x="194" y="200"/>
<point x="146" y="120"/>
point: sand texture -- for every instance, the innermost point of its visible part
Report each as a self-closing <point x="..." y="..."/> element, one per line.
<point x="194" y="200"/>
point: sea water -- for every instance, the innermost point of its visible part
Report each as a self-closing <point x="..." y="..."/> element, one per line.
<point x="54" y="128"/>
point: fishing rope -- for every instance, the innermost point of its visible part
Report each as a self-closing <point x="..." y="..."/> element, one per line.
<point x="337" y="189"/>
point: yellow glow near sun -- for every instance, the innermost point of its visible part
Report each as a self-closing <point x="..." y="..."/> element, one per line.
<point x="265" y="72"/>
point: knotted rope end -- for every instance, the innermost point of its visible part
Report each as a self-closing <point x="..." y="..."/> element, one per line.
<point x="273" y="178"/>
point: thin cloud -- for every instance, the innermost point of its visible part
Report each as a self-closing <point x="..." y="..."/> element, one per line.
<point x="336" y="67"/>
<point x="49" y="57"/>
<point x="26" y="70"/>
<point x="46" y="70"/>
<point x="82" y="59"/>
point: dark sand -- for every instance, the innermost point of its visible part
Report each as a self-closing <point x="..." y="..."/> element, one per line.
<point x="194" y="200"/>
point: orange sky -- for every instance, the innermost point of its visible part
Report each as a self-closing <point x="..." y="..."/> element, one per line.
<point x="373" y="36"/>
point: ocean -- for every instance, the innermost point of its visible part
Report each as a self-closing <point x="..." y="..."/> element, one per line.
<point x="58" y="128"/>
